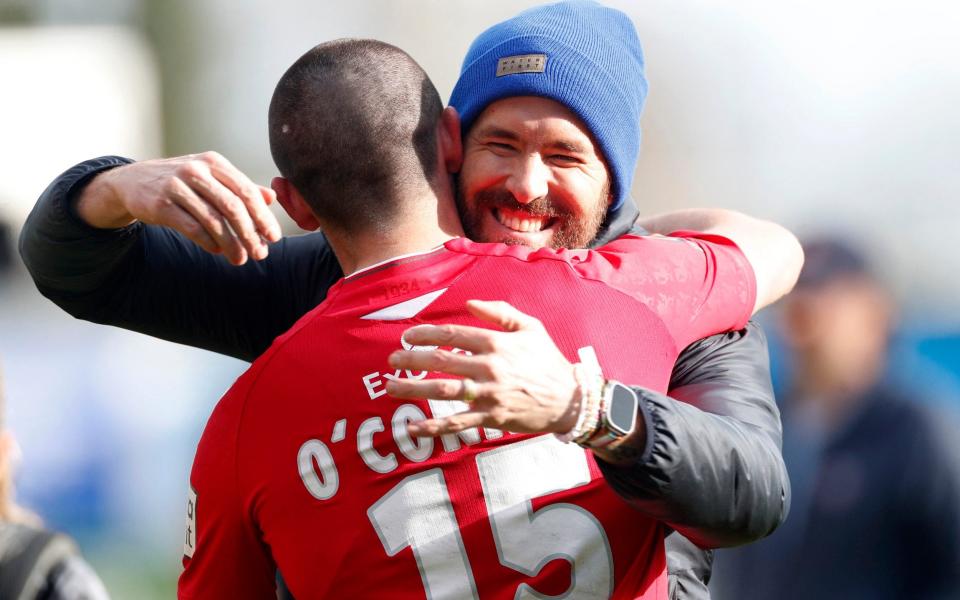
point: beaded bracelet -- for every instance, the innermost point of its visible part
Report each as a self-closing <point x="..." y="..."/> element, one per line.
<point x="590" y="388"/>
<point x="594" y="408"/>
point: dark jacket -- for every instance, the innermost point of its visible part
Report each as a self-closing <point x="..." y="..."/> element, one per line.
<point x="877" y="512"/>
<point x="712" y="469"/>
<point x="38" y="564"/>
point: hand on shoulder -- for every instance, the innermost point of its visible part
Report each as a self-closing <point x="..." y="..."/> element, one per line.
<point x="203" y="196"/>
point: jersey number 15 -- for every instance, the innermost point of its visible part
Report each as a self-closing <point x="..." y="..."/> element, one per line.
<point x="418" y="513"/>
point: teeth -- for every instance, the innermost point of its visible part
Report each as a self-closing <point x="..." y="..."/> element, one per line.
<point x="522" y="225"/>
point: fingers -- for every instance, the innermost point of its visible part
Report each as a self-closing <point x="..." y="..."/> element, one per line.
<point x="439" y="389"/>
<point x="236" y="214"/>
<point x="268" y="197"/>
<point x="440" y="361"/>
<point x="451" y="424"/>
<point x="473" y="339"/>
<point x="207" y="216"/>
<point x="220" y="185"/>
<point x="436" y="389"/>
<point x="231" y="208"/>
<point x="184" y="222"/>
<point x="502" y="314"/>
<point x="254" y="198"/>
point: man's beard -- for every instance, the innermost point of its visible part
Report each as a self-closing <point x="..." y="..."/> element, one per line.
<point x="571" y="232"/>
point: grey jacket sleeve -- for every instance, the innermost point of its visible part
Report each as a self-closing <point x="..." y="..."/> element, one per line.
<point x="712" y="467"/>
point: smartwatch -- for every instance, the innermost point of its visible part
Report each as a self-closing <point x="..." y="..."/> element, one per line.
<point x="618" y="415"/>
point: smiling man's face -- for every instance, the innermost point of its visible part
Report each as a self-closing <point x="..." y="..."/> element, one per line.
<point x="532" y="175"/>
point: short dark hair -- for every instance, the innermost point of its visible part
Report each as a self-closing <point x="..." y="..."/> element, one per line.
<point x="353" y="127"/>
<point x="828" y="259"/>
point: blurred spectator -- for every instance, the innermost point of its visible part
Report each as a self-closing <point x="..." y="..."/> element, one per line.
<point x="35" y="563"/>
<point x="875" y="470"/>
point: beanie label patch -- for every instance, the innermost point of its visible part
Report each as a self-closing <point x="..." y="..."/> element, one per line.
<point x="522" y="63"/>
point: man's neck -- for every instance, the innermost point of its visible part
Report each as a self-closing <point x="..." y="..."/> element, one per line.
<point x="360" y="252"/>
<point x="430" y="221"/>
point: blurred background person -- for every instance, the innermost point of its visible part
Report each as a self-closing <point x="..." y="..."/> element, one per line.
<point x="875" y="469"/>
<point x="35" y="563"/>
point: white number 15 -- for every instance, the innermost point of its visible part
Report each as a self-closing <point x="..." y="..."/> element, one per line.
<point x="418" y="513"/>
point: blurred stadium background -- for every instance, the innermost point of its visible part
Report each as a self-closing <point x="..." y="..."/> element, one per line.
<point x="830" y="116"/>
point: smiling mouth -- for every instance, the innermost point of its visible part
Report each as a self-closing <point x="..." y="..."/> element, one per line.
<point x="522" y="222"/>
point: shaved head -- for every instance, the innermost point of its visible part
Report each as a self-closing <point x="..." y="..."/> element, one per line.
<point x="353" y="127"/>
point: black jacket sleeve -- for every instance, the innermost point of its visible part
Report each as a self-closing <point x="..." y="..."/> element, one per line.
<point x="155" y="281"/>
<point x="712" y="467"/>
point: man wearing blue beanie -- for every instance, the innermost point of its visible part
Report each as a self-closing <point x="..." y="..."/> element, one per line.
<point x="550" y="103"/>
<point x="580" y="54"/>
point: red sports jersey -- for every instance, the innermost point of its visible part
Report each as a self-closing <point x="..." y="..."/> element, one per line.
<point x="306" y="464"/>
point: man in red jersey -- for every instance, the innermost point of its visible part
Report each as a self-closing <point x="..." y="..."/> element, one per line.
<point x="307" y="465"/>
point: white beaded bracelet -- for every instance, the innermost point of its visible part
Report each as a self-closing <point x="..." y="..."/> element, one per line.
<point x="590" y="387"/>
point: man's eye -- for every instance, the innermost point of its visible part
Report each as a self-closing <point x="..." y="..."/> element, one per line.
<point x="500" y="146"/>
<point x="565" y="159"/>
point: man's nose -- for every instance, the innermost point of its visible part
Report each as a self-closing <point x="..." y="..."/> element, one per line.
<point x="528" y="181"/>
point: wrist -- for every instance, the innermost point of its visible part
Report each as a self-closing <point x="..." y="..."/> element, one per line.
<point x="614" y="419"/>
<point x="100" y="205"/>
<point x="568" y="420"/>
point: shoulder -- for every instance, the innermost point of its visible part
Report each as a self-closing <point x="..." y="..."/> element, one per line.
<point x="275" y="363"/>
<point x="75" y="579"/>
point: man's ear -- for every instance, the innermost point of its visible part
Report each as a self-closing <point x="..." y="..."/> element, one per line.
<point x="451" y="143"/>
<point x="294" y="204"/>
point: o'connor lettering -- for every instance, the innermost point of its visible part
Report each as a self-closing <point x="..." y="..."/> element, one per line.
<point x="316" y="464"/>
<point x="373" y="438"/>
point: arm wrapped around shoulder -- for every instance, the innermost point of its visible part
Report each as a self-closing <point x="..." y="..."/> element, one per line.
<point x="711" y="465"/>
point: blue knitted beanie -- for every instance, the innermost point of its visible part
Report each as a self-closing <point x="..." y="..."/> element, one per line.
<point x="579" y="53"/>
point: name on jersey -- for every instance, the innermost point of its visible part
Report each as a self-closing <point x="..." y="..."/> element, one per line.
<point x="315" y="461"/>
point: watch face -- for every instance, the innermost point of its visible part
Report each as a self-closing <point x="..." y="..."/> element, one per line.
<point x="622" y="410"/>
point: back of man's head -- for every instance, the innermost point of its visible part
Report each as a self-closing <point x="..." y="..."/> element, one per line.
<point x="353" y="127"/>
<point x="578" y="53"/>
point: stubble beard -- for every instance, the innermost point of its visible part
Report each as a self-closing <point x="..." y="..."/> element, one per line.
<point x="573" y="232"/>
